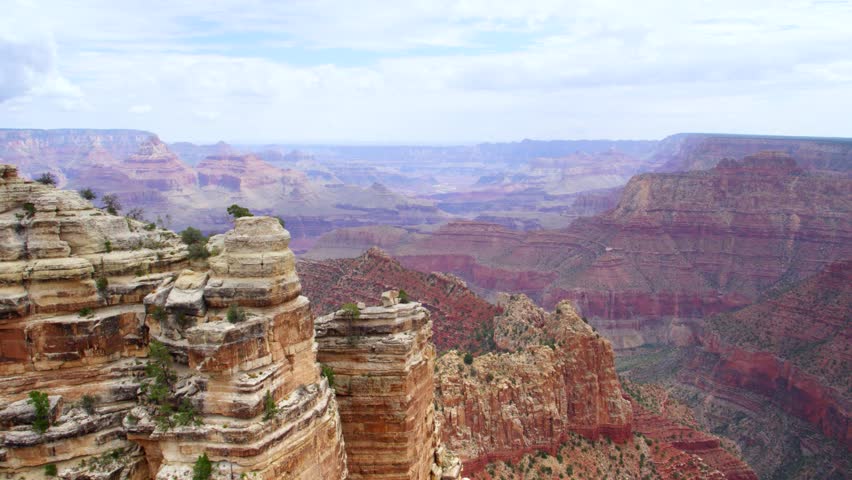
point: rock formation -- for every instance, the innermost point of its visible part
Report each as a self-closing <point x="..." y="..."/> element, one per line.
<point x="561" y="381"/>
<point x="382" y="361"/>
<point x="247" y="336"/>
<point x="72" y="325"/>
<point x="460" y="318"/>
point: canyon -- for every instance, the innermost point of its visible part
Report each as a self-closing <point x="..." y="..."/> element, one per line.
<point x="140" y="362"/>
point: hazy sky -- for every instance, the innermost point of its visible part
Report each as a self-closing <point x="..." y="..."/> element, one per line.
<point x="427" y="71"/>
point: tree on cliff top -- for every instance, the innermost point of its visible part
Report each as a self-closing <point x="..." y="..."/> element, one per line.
<point x="88" y="194"/>
<point x="237" y="211"/>
<point x="111" y="203"/>
<point x="46" y="178"/>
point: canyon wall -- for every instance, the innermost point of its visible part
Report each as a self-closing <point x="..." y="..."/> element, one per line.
<point x="559" y="380"/>
<point x="382" y="362"/>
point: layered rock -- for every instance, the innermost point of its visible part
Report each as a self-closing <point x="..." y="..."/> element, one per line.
<point x="238" y="172"/>
<point x="560" y="382"/>
<point x="246" y="336"/>
<point x="382" y="361"/>
<point x="72" y="279"/>
<point x="764" y="348"/>
<point x="460" y="318"/>
<point x="698" y="151"/>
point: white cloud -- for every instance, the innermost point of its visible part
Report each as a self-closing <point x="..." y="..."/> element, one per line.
<point x="429" y="70"/>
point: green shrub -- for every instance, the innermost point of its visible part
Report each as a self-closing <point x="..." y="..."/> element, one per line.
<point x="88" y="402"/>
<point x="88" y="194"/>
<point x="186" y="414"/>
<point x="102" y="283"/>
<point x="235" y="314"/>
<point x="151" y="227"/>
<point x="270" y="408"/>
<point x="351" y="310"/>
<point x="203" y="468"/>
<point x="403" y="296"/>
<point x="192" y="235"/>
<point x="29" y="208"/>
<point x="327" y="372"/>
<point x="85" y="312"/>
<point x="107" y="246"/>
<point x="41" y="404"/>
<point x="46" y="178"/>
<point x="198" y="251"/>
<point x="468" y="358"/>
<point x="237" y="211"/>
<point x="50" y="470"/>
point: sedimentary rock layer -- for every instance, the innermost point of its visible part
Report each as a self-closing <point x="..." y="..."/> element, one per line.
<point x="382" y="361"/>
<point x="560" y="381"/>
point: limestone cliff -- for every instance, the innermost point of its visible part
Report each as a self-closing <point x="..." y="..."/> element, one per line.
<point x="72" y="324"/>
<point x="382" y="360"/>
<point x="246" y="335"/>
<point x="560" y="381"/>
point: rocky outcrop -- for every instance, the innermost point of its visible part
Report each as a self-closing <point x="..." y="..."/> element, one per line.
<point x="460" y="318"/>
<point x="246" y="335"/>
<point x="382" y="361"/>
<point x="561" y="381"/>
<point x="244" y="172"/>
<point x="157" y="168"/>
<point x="72" y="279"/>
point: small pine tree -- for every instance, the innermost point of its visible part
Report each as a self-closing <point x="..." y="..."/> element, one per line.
<point x="270" y="408"/>
<point x="403" y="296"/>
<point x="41" y="404"/>
<point x="203" y="468"/>
<point x="236" y="314"/>
<point x="88" y="194"/>
<point x="468" y="358"/>
<point x="237" y="211"/>
<point x="88" y="403"/>
<point x="47" y="178"/>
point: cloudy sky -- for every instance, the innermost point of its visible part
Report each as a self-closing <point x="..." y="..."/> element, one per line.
<point x="427" y="71"/>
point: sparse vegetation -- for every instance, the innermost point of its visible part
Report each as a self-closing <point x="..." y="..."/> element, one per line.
<point x="85" y="312"/>
<point x="102" y="283"/>
<point x="136" y="213"/>
<point x="203" y="468"/>
<point x="327" y="372"/>
<point x="88" y="194"/>
<point x="111" y="203"/>
<point x="88" y="402"/>
<point x="159" y="313"/>
<point x="237" y="211"/>
<point x="196" y="242"/>
<point x="41" y="403"/>
<point x="468" y="358"/>
<point x="107" y="246"/>
<point x="50" y="470"/>
<point x="403" y="296"/>
<point x="235" y="314"/>
<point x="29" y="208"/>
<point x="47" y="178"/>
<point x="270" y="408"/>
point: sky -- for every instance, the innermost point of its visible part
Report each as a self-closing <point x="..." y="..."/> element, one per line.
<point x="369" y="71"/>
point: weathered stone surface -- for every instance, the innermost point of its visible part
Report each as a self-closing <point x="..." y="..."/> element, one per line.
<point x="501" y="406"/>
<point x="382" y="364"/>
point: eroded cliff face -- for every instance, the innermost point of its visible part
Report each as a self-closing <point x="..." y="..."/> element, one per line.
<point x="72" y="325"/>
<point x="246" y="335"/>
<point x="383" y="365"/>
<point x="501" y="406"/>
<point x="460" y="318"/>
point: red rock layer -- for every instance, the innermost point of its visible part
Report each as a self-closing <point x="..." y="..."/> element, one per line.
<point x="672" y="431"/>
<point x="457" y="313"/>
<point x="157" y="168"/>
<point x="501" y="406"/>
<point x="764" y="348"/>
<point x="238" y="172"/>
